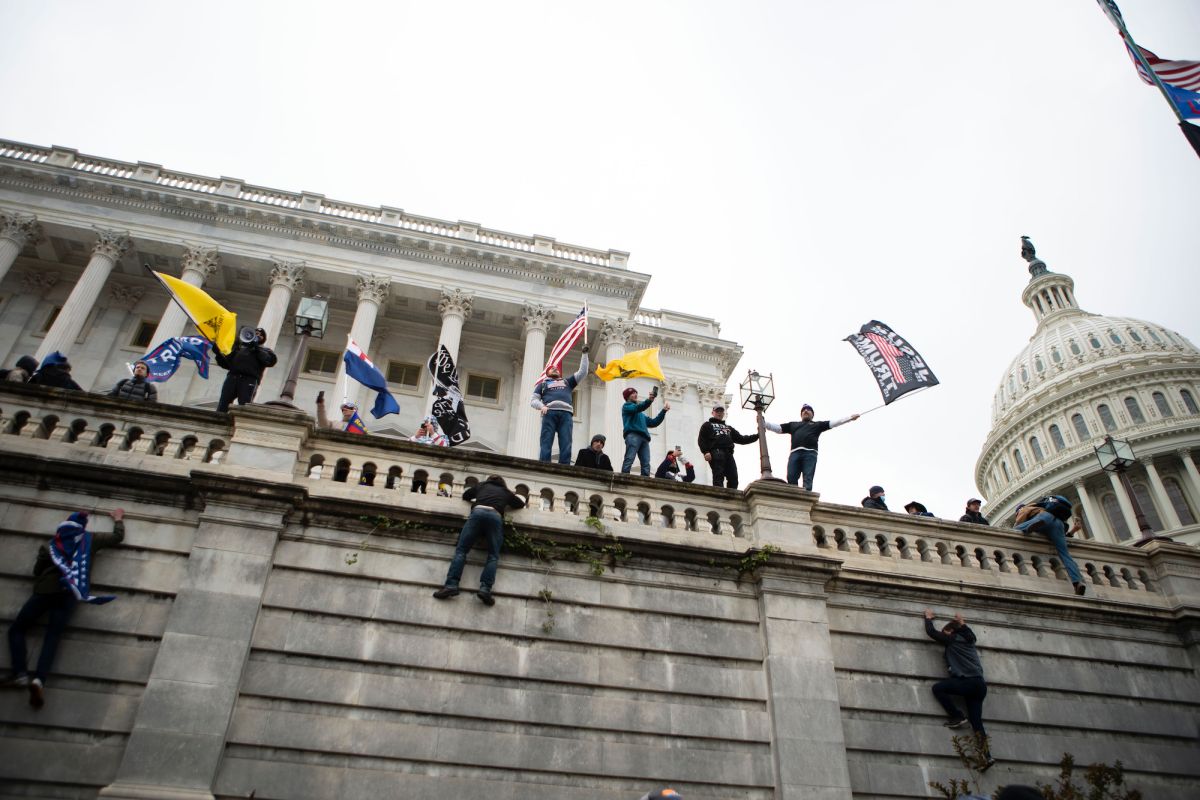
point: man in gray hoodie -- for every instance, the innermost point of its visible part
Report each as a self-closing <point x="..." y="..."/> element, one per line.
<point x="966" y="676"/>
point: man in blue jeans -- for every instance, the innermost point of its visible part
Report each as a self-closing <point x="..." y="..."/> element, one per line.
<point x="491" y="499"/>
<point x="552" y="397"/>
<point x="802" y="461"/>
<point x="966" y="677"/>
<point x="1047" y="517"/>
<point x="636" y="427"/>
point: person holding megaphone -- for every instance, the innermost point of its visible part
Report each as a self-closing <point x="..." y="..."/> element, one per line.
<point x="245" y="364"/>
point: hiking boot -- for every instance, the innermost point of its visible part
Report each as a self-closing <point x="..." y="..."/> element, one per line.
<point x="955" y="723"/>
<point x="485" y="597"/>
<point x="1080" y="588"/>
<point x="37" y="697"/>
<point x="446" y="592"/>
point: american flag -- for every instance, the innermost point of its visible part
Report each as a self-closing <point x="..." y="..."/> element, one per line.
<point x="1180" y="74"/>
<point x="896" y="360"/>
<point x="564" y="344"/>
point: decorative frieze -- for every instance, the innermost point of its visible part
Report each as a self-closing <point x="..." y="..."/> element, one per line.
<point x="38" y="283"/>
<point x="124" y="296"/>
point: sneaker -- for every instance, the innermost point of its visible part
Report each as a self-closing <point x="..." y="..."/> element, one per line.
<point x="1081" y="588"/>
<point x="987" y="764"/>
<point x="485" y="597"/>
<point x="446" y="592"/>
<point x="37" y="697"/>
<point x="955" y="723"/>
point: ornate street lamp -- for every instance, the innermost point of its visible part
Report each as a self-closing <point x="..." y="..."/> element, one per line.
<point x="312" y="319"/>
<point x="758" y="392"/>
<point x="1116" y="455"/>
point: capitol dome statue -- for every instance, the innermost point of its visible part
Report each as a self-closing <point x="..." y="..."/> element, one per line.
<point x="1083" y="377"/>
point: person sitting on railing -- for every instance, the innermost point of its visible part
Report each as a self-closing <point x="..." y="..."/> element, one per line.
<point x="490" y="500"/>
<point x="669" y="468"/>
<point x="62" y="577"/>
<point x="1046" y="517"/>
<point x="22" y="372"/>
<point x="351" y="421"/>
<point x="917" y="509"/>
<point x="55" y="371"/>
<point x="973" y="514"/>
<point x="593" y="456"/>
<point x="429" y="433"/>
<point x="636" y="425"/>
<point x="137" y="387"/>
<point x="966" y="678"/>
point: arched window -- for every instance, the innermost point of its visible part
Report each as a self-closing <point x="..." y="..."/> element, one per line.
<point x="1094" y="342"/>
<point x="1114" y="337"/>
<point x="1134" y="335"/>
<point x="1081" y="428"/>
<point x="1075" y="349"/>
<point x="1135" y="411"/>
<point x="1057" y="438"/>
<point x="1036" y="447"/>
<point x="1038" y="364"/>
<point x="1055" y="356"/>
<point x="1024" y="374"/>
<point x="1179" y="501"/>
<point x="1007" y="476"/>
<point x="1160" y="402"/>
<point x="1019" y="459"/>
<point x="1012" y="384"/>
<point x="1154" y="335"/>
<point x="1116" y="520"/>
<point x="1189" y="402"/>
<point x="1143" y="497"/>
<point x="1106" y="417"/>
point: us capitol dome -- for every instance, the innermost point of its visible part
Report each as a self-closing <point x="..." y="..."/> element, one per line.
<point x="1082" y="377"/>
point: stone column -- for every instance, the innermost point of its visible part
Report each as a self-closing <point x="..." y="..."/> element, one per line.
<point x="529" y="422"/>
<point x="615" y="334"/>
<point x="178" y="736"/>
<point x="199" y="264"/>
<point x="1167" y="515"/>
<point x="16" y="231"/>
<point x="66" y="328"/>
<point x="121" y="300"/>
<point x="1097" y="522"/>
<point x="518" y="400"/>
<point x="286" y="277"/>
<point x="372" y="293"/>
<point x="1193" y="475"/>
<point x="1126" y="506"/>
<point x="455" y="307"/>
<point x="18" y="316"/>
<point x="808" y="744"/>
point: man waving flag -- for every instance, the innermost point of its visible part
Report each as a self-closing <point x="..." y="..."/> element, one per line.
<point x="577" y="329"/>
<point x="214" y="321"/>
<point x="359" y="367"/>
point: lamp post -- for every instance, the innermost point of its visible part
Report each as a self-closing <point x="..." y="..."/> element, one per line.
<point x="758" y="392"/>
<point x="312" y="318"/>
<point x="1116" y="455"/>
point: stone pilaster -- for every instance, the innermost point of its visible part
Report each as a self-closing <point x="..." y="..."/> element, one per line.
<point x="372" y="293"/>
<point x="1167" y="511"/>
<point x="615" y="337"/>
<point x="17" y="318"/>
<point x="1126" y="506"/>
<point x="16" y="231"/>
<point x="537" y="321"/>
<point x="1193" y="475"/>
<point x="287" y="277"/>
<point x="1097" y="522"/>
<point x="199" y="264"/>
<point x="455" y="306"/>
<point x="111" y="245"/>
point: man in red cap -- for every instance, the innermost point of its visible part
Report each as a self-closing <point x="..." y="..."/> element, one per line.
<point x="636" y="425"/>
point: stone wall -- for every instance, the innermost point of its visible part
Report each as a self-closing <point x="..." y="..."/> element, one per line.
<point x="270" y="640"/>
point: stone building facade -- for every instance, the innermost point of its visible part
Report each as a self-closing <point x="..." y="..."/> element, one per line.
<point x="1081" y="377"/>
<point x="76" y="230"/>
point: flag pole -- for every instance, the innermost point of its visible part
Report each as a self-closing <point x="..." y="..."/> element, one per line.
<point x="585" y="316"/>
<point x="901" y="397"/>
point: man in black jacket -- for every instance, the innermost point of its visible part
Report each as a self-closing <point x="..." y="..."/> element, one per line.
<point x="973" y="514"/>
<point x="491" y="499"/>
<point x="716" y="442"/>
<point x="876" y="499"/>
<point x="593" y="456"/>
<point x="55" y="371"/>
<point x="966" y="676"/>
<point x="137" y="387"/>
<point x="245" y="364"/>
<point x="802" y="460"/>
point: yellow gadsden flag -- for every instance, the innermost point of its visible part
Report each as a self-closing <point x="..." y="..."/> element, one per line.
<point x="213" y="320"/>
<point x="638" y="364"/>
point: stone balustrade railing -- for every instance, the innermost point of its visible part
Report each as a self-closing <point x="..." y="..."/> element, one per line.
<point x="299" y="201"/>
<point x="286" y="446"/>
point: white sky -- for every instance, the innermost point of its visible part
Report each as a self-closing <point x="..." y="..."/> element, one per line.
<point x="793" y="169"/>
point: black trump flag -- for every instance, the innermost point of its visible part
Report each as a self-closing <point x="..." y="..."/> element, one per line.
<point x="898" y="367"/>
<point x="448" y="408"/>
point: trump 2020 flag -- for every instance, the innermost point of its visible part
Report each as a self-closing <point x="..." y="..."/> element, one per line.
<point x="448" y="407"/>
<point x="898" y="367"/>
<point x="359" y="367"/>
<point x="164" y="359"/>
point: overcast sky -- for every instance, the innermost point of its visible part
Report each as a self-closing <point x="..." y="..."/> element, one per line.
<point x="793" y="169"/>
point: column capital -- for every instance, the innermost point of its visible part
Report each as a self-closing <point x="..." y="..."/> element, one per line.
<point x="1184" y="452"/>
<point x="124" y="296"/>
<point x="374" y="287"/>
<point x="287" y="273"/>
<point x="21" y="229"/>
<point x="673" y="389"/>
<point x="38" y="283"/>
<point x="455" y="302"/>
<point x="617" y="331"/>
<point x="711" y="394"/>
<point x="537" y="318"/>
<point x="111" y="244"/>
<point x="201" y="259"/>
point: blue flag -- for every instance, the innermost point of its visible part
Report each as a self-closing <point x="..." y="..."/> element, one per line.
<point x="164" y="359"/>
<point x="1187" y="102"/>
<point x="359" y="367"/>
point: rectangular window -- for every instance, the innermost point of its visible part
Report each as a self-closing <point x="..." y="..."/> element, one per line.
<point x="53" y="315"/>
<point x="322" y="362"/>
<point x="143" y="334"/>
<point x="403" y="374"/>
<point x="483" y="387"/>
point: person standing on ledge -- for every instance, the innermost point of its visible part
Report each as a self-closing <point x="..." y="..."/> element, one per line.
<point x="490" y="500"/>
<point x="245" y="364"/>
<point x="716" y="441"/>
<point x="803" y="458"/>
<point x="966" y="677"/>
<point x="552" y="397"/>
<point x="636" y="427"/>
